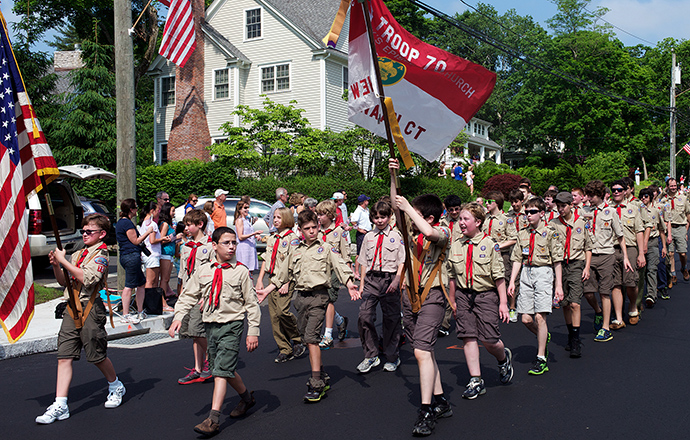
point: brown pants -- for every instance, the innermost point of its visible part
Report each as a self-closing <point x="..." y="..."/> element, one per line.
<point x="283" y="322"/>
<point x="374" y="293"/>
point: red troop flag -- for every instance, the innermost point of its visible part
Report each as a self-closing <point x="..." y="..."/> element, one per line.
<point x="179" y="38"/>
<point x="25" y="156"/>
<point x="435" y="93"/>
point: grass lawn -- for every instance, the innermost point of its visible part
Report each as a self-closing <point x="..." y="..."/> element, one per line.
<point x="44" y="294"/>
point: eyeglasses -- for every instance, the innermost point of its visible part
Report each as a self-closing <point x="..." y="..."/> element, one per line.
<point x="227" y="243"/>
<point x="532" y="211"/>
<point x="489" y="201"/>
<point x="89" y="231"/>
<point x="617" y="190"/>
<point x="454" y="209"/>
<point x="166" y="200"/>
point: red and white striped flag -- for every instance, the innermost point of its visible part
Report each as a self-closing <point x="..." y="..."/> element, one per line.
<point x="686" y="147"/>
<point x="24" y="158"/>
<point x="179" y="38"/>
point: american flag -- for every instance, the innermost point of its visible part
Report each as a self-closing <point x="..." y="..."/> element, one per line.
<point x="686" y="147"/>
<point x="24" y="157"/>
<point x="179" y="38"/>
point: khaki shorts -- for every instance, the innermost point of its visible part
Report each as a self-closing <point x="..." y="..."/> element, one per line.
<point x="223" y="347"/>
<point x="92" y="336"/>
<point x="573" y="287"/>
<point x="192" y="326"/>
<point x="311" y="311"/>
<point x="536" y="290"/>
<point x="601" y="274"/>
<point x="421" y="328"/>
<point x="680" y="239"/>
<point x="477" y="315"/>
<point x="622" y="277"/>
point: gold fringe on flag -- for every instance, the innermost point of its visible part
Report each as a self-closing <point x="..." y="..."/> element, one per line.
<point x="397" y="135"/>
<point x="331" y="39"/>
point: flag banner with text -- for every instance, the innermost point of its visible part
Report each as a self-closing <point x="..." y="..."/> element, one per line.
<point x="435" y="93"/>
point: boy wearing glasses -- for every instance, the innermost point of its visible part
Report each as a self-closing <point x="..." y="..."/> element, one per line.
<point x="88" y="269"/>
<point x="538" y="252"/>
<point x="227" y="293"/>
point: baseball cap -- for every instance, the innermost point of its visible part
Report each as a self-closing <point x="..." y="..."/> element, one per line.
<point x="564" y="197"/>
<point x="338" y="196"/>
<point x="362" y="198"/>
<point x="220" y="192"/>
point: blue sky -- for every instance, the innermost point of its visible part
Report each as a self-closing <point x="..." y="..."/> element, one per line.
<point x="651" y="20"/>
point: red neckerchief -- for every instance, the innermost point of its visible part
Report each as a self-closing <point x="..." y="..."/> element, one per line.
<point x="276" y="245"/>
<point x="532" y="233"/>
<point x="217" y="285"/>
<point x="326" y="232"/>
<point x="191" y="260"/>
<point x="491" y="221"/>
<point x="517" y="221"/>
<point x="618" y="209"/>
<point x="378" y="251"/>
<point x="568" y="235"/>
<point x="469" y="263"/>
<point x="594" y="222"/>
<point x="420" y="249"/>
<point x="551" y="214"/>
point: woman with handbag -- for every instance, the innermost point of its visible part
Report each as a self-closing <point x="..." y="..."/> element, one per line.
<point x="129" y="241"/>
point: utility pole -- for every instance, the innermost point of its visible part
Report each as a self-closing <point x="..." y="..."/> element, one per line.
<point x="124" y="91"/>
<point x="675" y="79"/>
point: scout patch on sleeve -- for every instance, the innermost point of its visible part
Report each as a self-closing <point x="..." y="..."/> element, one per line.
<point x="497" y="247"/>
<point x="294" y="242"/>
<point x="101" y="261"/>
<point x="335" y="251"/>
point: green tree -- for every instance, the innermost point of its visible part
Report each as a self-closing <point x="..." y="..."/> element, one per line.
<point x="573" y="16"/>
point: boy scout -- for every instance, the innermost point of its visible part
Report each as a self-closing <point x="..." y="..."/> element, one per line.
<point x="226" y="291"/>
<point x="382" y="257"/>
<point x="539" y="251"/>
<point x="88" y="269"/>
<point x="517" y="220"/>
<point x="676" y="216"/>
<point x="657" y="229"/>
<point x="476" y="273"/>
<point x="452" y="203"/>
<point x="425" y="301"/>
<point x="310" y="266"/>
<point x="604" y="229"/>
<point x="193" y="254"/>
<point x="577" y="257"/>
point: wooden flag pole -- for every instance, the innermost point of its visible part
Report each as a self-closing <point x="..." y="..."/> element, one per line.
<point x="395" y="182"/>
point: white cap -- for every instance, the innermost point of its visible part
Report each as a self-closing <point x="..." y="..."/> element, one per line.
<point x="338" y="196"/>
<point x="220" y="192"/>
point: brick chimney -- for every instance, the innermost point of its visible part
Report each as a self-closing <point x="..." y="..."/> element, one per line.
<point x="189" y="134"/>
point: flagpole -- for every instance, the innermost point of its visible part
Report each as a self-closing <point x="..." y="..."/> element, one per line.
<point x="391" y="149"/>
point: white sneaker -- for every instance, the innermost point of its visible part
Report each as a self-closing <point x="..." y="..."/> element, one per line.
<point x="142" y="316"/>
<point x="115" y="397"/>
<point x="130" y="319"/>
<point x="392" y="366"/>
<point x="53" y="413"/>
<point x="367" y="364"/>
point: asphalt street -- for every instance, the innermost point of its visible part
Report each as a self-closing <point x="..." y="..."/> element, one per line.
<point x="631" y="387"/>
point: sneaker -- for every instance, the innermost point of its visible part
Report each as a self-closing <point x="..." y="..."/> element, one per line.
<point x="192" y="377"/>
<point x="115" y="397"/>
<point x="617" y="325"/>
<point x="674" y="281"/>
<point x="130" y="319"/>
<point x="546" y="349"/>
<point x="141" y="316"/>
<point x="603" y="336"/>
<point x="205" y="373"/>
<point x="664" y="294"/>
<point x="633" y="318"/>
<point x="298" y="350"/>
<point x="442" y="332"/>
<point x="649" y="302"/>
<point x="576" y="349"/>
<point x="207" y="428"/>
<point x="242" y="407"/>
<point x="282" y="357"/>
<point x="53" y="413"/>
<point x="598" y="322"/>
<point x="367" y="364"/>
<point x="505" y="370"/>
<point x="442" y="410"/>
<point x="475" y="388"/>
<point x="342" y="329"/>
<point x="326" y="343"/>
<point x="392" y="366"/>
<point x="538" y="367"/>
<point x="316" y="389"/>
<point x="425" y="424"/>
<point x="512" y="315"/>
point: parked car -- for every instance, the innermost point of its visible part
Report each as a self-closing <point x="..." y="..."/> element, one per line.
<point x="68" y="210"/>
<point x="95" y="206"/>
<point x="257" y="210"/>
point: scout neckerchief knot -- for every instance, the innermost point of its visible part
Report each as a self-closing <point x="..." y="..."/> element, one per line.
<point x="217" y="285"/>
<point x="192" y="255"/>
<point x="275" y="248"/>
<point x="568" y="235"/>
<point x="326" y="232"/>
<point x="378" y="251"/>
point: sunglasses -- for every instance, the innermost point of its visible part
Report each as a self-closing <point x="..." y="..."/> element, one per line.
<point x="89" y="231"/>
<point x="489" y="201"/>
<point x="195" y="200"/>
<point x="532" y="211"/>
<point x="617" y="190"/>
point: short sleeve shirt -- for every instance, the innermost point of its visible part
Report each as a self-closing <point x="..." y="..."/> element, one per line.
<point x="388" y="257"/>
<point x="603" y="226"/>
<point x="431" y="257"/>
<point x="546" y="250"/>
<point x="93" y="261"/>
<point x="486" y="265"/>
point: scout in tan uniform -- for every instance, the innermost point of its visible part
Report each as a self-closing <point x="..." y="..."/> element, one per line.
<point x="551" y="209"/>
<point x="452" y="203"/>
<point x="283" y="323"/>
<point x="604" y="228"/>
<point x="310" y="266"/>
<point x="517" y="220"/>
<point x="382" y="257"/>
<point x="336" y="237"/>
<point x="227" y="294"/>
<point x="577" y="257"/>
<point x="677" y="216"/>
<point x="88" y="269"/>
<point x="425" y="300"/>
<point x="477" y="287"/>
<point x="657" y="229"/>
<point x="538" y="253"/>
<point x="193" y="254"/>
<point x="633" y="232"/>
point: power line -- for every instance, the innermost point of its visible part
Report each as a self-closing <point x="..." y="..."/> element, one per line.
<point x="620" y="29"/>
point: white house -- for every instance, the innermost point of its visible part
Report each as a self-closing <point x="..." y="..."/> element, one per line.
<point x="478" y="146"/>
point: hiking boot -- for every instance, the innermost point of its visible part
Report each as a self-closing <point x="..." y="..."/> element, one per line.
<point x="475" y="388"/>
<point x="598" y="322"/>
<point x="298" y="350"/>
<point x="674" y="281"/>
<point x="538" y="367"/>
<point x="686" y="275"/>
<point x="316" y="389"/>
<point x="115" y="397"/>
<point x="326" y="343"/>
<point x="603" y="336"/>
<point x="425" y="424"/>
<point x="282" y="357"/>
<point x="649" y="302"/>
<point x="505" y="370"/>
<point x="242" y="407"/>
<point x="442" y="410"/>
<point x="392" y="366"/>
<point x="53" y="413"/>
<point x="512" y="315"/>
<point x="568" y="346"/>
<point x="367" y="364"/>
<point x="576" y="349"/>
<point x="617" y="325"/>
<point x="207" y="428"/>
<point x="192" y="377"/>
<point x="342" y="329"/>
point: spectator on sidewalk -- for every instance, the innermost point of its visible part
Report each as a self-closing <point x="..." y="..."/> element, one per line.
<point x="218" y="215"/>
<point x="281" y="199"/>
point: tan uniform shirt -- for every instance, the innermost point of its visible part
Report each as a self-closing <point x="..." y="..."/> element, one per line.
<point x="656" y="222"/>
<point x="631" y="221"/>
<point x="580" y="241"/>
<point x="392" y="251"/>
<point x="517" y="221"/>
<point x="487" y="263"/>
<point x="646" y="220"/>
<point x="94" y="263"/>
<point x="336" y="237"/>
<point x="676" y="209"/>
<point x="452" y="225"/>
<point x="496" y="226"/>
<point x="282" y="244"/>
<point x="605" y="231"/>
<point x="237" y="296"/>
<point x="310" y="266"/>
<point x="546" y="250"/>
<point x="434" y="252"/>
<point x="204" y="254"/>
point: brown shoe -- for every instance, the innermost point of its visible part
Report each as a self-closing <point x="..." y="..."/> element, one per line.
<point x="617" y="325"/>
<point x="633" y="319"/>
<point x="208" y="427"/>
<point x="686" y="275"/>
<point x="672" y="281"/>
<point x="242" y="407"/>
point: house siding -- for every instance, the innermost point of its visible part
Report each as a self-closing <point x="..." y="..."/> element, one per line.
<point x="336" y="106"/>
<point x="218" y="111"/>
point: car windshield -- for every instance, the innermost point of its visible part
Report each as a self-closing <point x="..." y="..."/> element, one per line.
<point x="256" y="209"/>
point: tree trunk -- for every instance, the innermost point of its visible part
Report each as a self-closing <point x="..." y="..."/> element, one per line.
<point x="644" y="166"/>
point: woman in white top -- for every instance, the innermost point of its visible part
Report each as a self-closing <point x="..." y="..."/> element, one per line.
<point x="153" y="244"/>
